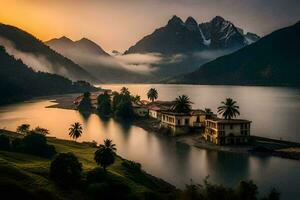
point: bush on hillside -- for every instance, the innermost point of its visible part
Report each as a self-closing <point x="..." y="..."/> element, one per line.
<point x="132" y="166"/>
<point x="96" y="175"/>
<point x="66" y="170"/>
<point x="36" y="144"/>
<point x="4" y="142"/>
<point x="17" y="145"/>
<point x="107" y="190"/>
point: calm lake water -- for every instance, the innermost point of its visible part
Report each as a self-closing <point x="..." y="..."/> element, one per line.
<point x="275" y="113"/>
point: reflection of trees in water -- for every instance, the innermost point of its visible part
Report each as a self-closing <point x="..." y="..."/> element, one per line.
<point x="104" y="120"/>
<point x="125" y="125"/>
<point x="227" y="168"/>
<point x="84" y="116"/>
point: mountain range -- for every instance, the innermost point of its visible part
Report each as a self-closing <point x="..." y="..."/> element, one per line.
<point x="189" y="36"/>
<point x="273" y="60"/>
<point x="39" y="56"/>
<point x="177" y="48"/>
<point x="214" y="52"/>
<point x="92" y="58"/>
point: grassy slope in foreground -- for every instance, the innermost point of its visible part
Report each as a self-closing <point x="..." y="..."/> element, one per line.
<point x="31" y="172"/>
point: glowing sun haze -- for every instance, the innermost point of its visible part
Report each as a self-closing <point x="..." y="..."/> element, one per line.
<point x="118" y="24"/>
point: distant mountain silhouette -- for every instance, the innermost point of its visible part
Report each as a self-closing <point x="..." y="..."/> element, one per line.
<point x="19" y="82"/>
<point x="184" y="46"/>
<point x="25" y="44"/>
<point x="189" y="36"/>
<point x="65" y="46"/>
<point x="94" y="59"/>
<point x="273" y="60"/>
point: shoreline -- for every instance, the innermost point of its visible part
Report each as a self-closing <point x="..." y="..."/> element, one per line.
<point x="258" y="146"/>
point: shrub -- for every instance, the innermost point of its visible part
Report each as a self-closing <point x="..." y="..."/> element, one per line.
<point x="96" y="175"/>
<point x="98" y="190"/>
<point x="36" y="144"/>
<point x="109" y="191"/>
<point x="247" y="190"/>
<point x="17" y="145"/>
<point x="66" y="170"/>
<point x="132" y="166"/>
<point x="12" y="190"/>
<point x="4" y="142"/>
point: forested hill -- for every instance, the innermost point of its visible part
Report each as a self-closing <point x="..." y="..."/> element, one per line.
<point x="19" y="82"/>
<point x="39" y="56"/>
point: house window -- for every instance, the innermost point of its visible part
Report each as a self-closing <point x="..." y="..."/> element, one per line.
<point x="178" y="121"/>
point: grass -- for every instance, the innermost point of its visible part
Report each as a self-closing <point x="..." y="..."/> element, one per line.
<point x="32" y="172"/>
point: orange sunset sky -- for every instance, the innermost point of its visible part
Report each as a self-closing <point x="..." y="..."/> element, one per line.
<point x="118" y="24"/>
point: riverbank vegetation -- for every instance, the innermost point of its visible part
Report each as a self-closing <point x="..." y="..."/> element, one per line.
<point x="73" y="174"/>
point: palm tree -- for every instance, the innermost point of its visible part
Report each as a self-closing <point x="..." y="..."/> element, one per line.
<point x="136" y="98"/>
<point x="182" y="104"/>
<point x="152" y="94"/>
<point x="208" y="113"/>
<point x="229" y="109"/>
<point x="106" y="154"/>
<point x="23" y="129"/>
<point x="75" y="130"/>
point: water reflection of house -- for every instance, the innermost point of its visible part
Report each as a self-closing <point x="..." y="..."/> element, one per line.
<point x="182" y="123"/>
<point x="222" y="131"/>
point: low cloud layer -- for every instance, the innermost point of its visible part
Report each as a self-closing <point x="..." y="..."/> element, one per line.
<point x="143" y="64"/>
<point x="35" y="61"/>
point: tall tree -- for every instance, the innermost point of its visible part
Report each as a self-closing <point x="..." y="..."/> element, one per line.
<point x="182" y="104"/>
<point x="152" y="94"/>
<point x="23" y="129"/>
<point x="75" y="131"/>
<point x="85" y="104"/>
<point x="104" y="104"/>
<point x="106" y="154"/>
<point x="229" y="109"/>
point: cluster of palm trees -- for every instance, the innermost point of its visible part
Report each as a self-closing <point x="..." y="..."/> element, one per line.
<point x="228" y="109"/>
<point x="182" y="104"/>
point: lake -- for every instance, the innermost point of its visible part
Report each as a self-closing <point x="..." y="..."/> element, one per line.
<point x="275" y="113"/>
